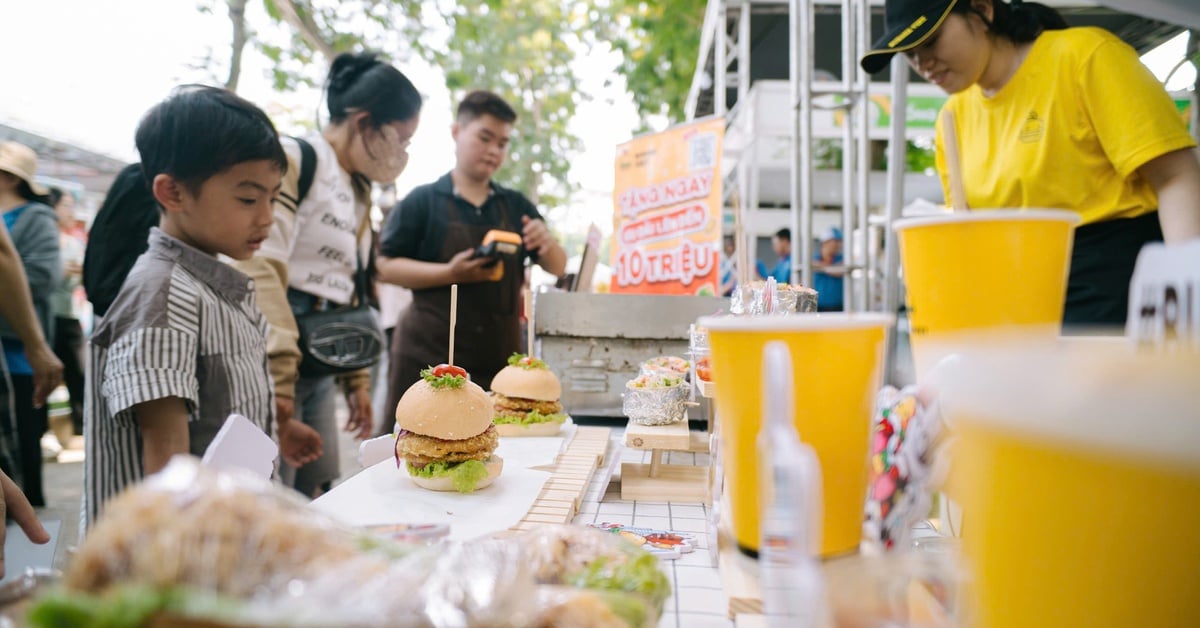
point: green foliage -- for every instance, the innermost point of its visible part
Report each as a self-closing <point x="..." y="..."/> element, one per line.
<point x="660" y="43"/>
<point x="310" y="32"/>
<point x="919" y="158"/>
<point x="523" y="50"/>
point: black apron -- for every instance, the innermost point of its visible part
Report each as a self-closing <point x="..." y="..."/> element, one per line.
<point x="1102" y="261"/>
<point x="488" y="328"/>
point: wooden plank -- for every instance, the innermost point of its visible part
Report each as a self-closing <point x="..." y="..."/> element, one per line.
<point x="674" y="436"/>
<point x="544" y="518"/>
<point x="546" y="510"/>
<point x="739" y="573"/>
<point x="739" y="578"/>
<point x="569" y="479"/>
<point x="699" y="443"/>
<point x="559" y="496"/>
<point x="707" y="389"/>
<point x="675" y="483"/>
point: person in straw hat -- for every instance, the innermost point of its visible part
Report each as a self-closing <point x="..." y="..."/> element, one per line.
<point x="1055" y="117"/>
<point x="33" y="369"/>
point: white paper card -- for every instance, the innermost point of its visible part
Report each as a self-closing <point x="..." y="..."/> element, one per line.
<point x="242" y="444"/>
<point x="1164" y="296"/>
<point x="375" y="450"/>
<point x="384" y="494"/>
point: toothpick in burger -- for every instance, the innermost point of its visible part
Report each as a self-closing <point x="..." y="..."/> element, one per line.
<point x="446" y="436"/>
<point x="526" y="396"/>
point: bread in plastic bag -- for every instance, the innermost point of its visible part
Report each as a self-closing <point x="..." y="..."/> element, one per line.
<point x="592" y="559"/>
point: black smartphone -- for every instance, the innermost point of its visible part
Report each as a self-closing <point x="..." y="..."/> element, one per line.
<point x="489" y="251"/>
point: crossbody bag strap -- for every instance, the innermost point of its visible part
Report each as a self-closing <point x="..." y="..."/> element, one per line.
<point x="361" y="280"/>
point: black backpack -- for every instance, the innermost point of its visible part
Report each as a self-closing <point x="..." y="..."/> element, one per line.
<point x="120" y="232"/>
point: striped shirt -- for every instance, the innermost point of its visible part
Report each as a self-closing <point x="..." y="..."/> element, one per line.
<point x="184" y="325"/>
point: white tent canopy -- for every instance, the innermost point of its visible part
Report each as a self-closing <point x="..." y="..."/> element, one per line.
<point x="1181" y="12"/>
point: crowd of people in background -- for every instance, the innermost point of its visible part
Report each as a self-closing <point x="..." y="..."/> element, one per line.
<point x="207" y="256"/>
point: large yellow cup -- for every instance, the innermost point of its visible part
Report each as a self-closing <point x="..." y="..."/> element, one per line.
<point x="837" y="362"/>
<point x="1078" y="469"/>
<point x="985" y="269"/>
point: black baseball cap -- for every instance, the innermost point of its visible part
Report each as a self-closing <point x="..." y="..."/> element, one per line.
<point x="907" y="24"/>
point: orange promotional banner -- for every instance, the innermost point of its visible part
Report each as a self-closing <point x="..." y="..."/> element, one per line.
<point x="667" y="211"/>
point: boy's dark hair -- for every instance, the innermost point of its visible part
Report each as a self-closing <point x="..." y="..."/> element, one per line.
<point x="1019" y="21"/>
<point x="784" y="234"/>
<point x="200" y="131"/>
<point x="482" y="102"/>
<point x="363" y="82"/>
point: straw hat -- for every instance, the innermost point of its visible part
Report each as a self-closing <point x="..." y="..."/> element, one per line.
<point x="20" y="161"/>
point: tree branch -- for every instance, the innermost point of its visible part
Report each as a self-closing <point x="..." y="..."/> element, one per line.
<point x="306" y="27"/>
<point x="237" y="16"/>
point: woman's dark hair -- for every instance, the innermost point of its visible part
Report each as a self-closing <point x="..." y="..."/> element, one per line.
<point x="54" y="194"/>
<point x="362" y="82"/>
<point x="201" y="131"/>
<point x="25" y="191"/>
<point x="1017" y="20"/>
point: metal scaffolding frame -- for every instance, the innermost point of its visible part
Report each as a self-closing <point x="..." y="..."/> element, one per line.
<point x="726" y="43"/>
<point x="727" y="30"/>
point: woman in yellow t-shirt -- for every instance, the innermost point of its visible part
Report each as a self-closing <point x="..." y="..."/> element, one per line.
<point x="1050" y="116"/>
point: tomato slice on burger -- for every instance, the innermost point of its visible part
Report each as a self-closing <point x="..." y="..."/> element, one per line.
<point x="442" y="370"/>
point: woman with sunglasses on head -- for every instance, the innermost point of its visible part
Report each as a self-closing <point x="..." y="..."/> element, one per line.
<point x="319" y="245"/>
<point x="1056" y="117"/>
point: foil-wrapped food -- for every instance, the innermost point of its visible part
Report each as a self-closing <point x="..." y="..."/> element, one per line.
<point x="656" y="399"/>
<point x="759" y="298"/>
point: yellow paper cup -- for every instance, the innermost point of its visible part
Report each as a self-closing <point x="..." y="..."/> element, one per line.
<point x="985" y="269"/>
<point x="837" y="367"/>
<point x="1078" y="469"/>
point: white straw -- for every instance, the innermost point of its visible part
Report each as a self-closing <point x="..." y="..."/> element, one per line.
<point x="958" y="192"/>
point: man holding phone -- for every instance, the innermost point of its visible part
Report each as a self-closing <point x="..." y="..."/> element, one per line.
<point x="439" y="235"/>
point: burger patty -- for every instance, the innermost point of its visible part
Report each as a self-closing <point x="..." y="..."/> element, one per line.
<point x="420" y="450"/>
<point x="509" y="405"/>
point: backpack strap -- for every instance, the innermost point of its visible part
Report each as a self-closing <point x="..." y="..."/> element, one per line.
<point x="308" y="167"/>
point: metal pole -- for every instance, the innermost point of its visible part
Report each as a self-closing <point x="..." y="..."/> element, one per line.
<point x="849" y="258"/>
<point x="743" y="52"/>
<point x="870" y="254"/>
<point x="720" y="62"/>
<point x="897" y="149"/>
<point x="800" y="36"/>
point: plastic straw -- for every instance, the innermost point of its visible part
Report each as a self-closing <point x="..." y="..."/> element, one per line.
<point x="958" y="192"/>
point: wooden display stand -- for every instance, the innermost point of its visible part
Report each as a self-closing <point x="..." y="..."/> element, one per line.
<point x="569" y="478"/>
<point x="657" y="481"/>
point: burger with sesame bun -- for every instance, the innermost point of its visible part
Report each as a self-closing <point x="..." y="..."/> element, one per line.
<point x="526" y="397"/>
<point x="446" y="437"/>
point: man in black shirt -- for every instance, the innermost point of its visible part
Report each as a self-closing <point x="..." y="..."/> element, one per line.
<point x="428" y="243"/>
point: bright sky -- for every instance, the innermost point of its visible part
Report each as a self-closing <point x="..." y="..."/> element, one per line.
<point x="84" y="71"/>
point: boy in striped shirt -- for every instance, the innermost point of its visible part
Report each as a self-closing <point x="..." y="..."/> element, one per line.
<point x="184" y="344"/>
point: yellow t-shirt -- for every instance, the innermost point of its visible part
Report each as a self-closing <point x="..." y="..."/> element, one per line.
<point x="1069" y="131"/>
